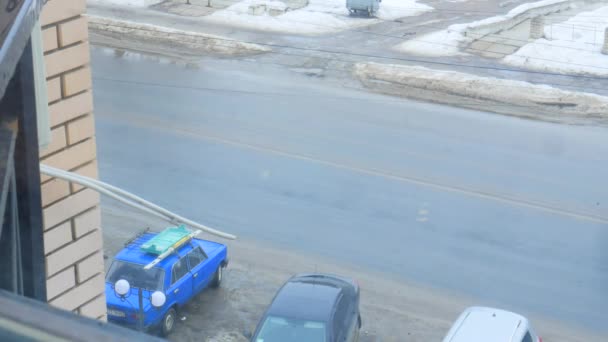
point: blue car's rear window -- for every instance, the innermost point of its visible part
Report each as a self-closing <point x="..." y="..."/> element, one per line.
<point x="135" y="274"/>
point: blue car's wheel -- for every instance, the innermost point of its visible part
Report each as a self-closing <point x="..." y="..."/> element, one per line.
<point x="168" y="323"/>
<point x="217" y="277"/>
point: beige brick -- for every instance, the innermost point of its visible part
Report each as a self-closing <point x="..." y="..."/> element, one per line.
<point x="87" y="222"/>
<point x="71" y="157"/>
<point x="53" y="89"/>
<point x="54" y="190"/>
<point x="49" y="38"/>
<point x="70" y="108"/>
<point x="69" y="207"/>
<point x="60" y="282"/>
<point x="81" y="129"/>
<point x="57" y="237"/>
<point x="63" y="60"/>
<point x="94" y="308"/>
<point x="73" y="31"/>
<point x="88" y="170"/>
<point x="89" y="267"/>
<point x="80" y="294"/>
<point x="73" y="252"/>
<point x="57" y="10"/>
<point x="76" y="81"/>
<point x="58" y="141"/>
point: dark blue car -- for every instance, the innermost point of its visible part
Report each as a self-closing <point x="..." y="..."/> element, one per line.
<point x="312" y="308"/>
<point x="186" y="271"/>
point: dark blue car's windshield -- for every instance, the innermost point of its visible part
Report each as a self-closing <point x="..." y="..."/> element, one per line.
<point x="279" y="329"/>
<point x="135" y="274"/>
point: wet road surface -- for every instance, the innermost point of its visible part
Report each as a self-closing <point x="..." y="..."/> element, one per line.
<point x="509" y="211"/>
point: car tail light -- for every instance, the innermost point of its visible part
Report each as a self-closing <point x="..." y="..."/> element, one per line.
<point x="133" y="316"/>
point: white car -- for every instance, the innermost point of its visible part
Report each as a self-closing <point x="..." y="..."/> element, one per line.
<point x="481" y="324"/>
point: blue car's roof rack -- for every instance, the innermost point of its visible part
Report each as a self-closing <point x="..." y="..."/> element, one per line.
<point x="137" y="236"/>
<point x="167" y="242"/>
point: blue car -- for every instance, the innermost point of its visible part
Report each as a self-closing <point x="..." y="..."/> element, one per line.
<point x="180" y="271"/>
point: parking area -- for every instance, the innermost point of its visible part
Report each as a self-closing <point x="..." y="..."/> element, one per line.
<point x="392" y="310"/>
<point x="256" y="272"/>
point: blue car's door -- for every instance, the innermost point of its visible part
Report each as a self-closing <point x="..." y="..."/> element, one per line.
<point x="180" y="289"/>
<point x="201" y="274"/>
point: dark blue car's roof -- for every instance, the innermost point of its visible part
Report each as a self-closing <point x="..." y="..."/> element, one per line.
<point x="133" y="253"/>
<point x="309" y="297"/>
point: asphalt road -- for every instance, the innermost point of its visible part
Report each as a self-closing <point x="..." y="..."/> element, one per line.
<point x="509" y="211"/>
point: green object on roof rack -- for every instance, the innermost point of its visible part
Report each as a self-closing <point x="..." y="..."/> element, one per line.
<point x="170" y="237"/>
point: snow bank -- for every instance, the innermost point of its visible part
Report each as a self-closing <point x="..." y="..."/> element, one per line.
<point x="397" y="79"/>
<point x="435" y="44"/>
<point x="130" y="3"/>
<point x="448" y="42"/>
<point x="395" y="9"/>
<point x="572" y="47"/>
<point x="517" y="11"/>
<point x="320" y="16"/>
<point x="196" y="41"/>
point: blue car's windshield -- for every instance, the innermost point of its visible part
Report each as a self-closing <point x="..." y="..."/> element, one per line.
<point x="277" y="329"/>
<point x="135" y="274"/>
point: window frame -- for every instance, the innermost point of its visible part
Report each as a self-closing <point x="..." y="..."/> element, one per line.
<point x="173" y="279"/>
<point x="202" y="252"/>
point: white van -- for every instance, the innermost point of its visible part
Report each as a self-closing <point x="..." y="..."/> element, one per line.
<point x="481" y="324"/>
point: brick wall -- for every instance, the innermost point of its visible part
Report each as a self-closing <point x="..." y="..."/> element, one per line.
<point x="72" y="220"/>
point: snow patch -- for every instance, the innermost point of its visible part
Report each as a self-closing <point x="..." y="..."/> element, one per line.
<point x="572" y="47"/>
<point x="320" y="16"/>
<point x="448" y="42"/>
<point x="194" y="40"/>
<point x="395" y="9"/>
<point x="519" y="10"/>
<point x="130" y="3"/>
<point x="435" y="44"/>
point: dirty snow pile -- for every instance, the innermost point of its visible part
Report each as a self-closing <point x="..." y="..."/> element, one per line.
<point x="530" y="8"/>
<point x="448" y="42"/>
<point x="400" y="77"/>
<point x="395" y="9"/>
<point x="570" y="47"/>
<point x="199" y="41"/>
<point x="436" y="44"/>
<point x="319" y="16"/>
<point x="130" y="3"/>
